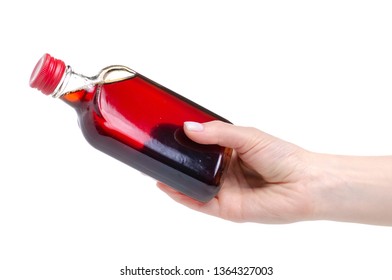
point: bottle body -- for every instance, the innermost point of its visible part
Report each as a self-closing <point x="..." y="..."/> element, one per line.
<point x="140" y="123"/>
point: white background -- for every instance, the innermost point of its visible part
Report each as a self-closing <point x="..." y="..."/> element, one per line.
<point x="316" y="73"/>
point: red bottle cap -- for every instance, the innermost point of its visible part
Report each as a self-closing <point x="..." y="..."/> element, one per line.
<point x="47" y="74"/>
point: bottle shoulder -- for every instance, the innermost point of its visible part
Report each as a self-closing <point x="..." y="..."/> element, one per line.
<point x="115" y="73"/>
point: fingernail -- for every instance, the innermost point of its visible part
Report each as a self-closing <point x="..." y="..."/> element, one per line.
<point x="193" y="126"/>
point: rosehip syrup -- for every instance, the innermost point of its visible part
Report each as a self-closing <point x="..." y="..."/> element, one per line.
<point x="139" y="122"/>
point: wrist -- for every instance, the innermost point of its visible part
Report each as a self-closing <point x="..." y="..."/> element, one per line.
<point x="352" y="189"/>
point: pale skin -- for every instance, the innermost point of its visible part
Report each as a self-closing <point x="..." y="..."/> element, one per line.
<point x="272" y="181"/>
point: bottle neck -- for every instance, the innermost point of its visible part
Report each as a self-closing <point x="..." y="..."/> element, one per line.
<point x="72" y="81"/>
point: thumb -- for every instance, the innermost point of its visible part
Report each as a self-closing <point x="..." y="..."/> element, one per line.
<point x="241" y="139"/>
<point x="271" y="157"/>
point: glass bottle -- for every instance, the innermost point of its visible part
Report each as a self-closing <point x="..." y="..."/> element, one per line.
<point x="140" y="123"/>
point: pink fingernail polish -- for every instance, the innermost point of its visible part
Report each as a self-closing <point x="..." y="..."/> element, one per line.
<point x="194" y="126"/>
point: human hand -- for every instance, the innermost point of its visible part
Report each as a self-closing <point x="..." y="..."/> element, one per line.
<point x="273" y="181"/>
<point x="266" y="182"/>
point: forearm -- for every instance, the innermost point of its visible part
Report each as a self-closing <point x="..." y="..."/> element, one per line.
<point x="353" y="189"/>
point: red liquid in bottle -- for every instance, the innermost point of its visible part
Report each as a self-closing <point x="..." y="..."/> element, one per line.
<point x="139" y="122"/>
